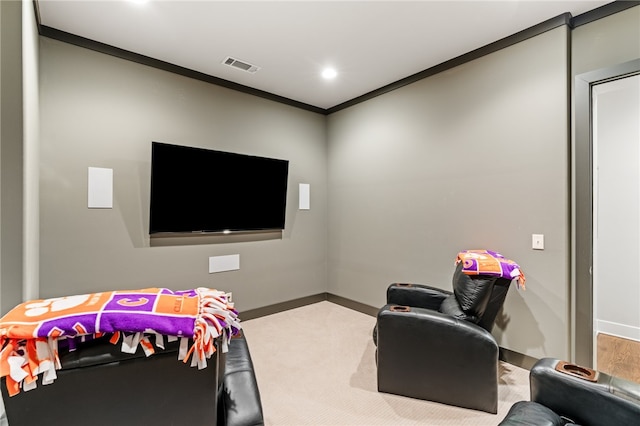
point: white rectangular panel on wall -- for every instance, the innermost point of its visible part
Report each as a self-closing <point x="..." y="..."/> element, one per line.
<point x="304" y="192"/>
<point x="224" y="263"/>
<point x="100" y="188"/>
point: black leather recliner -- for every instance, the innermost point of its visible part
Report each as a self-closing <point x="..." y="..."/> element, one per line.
<point x="437" y="345"/>
<point x="238" y="396"/>
<point x="567" y="394"/>
<point x="102" y="386"/>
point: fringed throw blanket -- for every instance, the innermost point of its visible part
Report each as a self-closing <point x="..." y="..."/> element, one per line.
<point x="487" y="262"/>
<point x="30" y="332"/>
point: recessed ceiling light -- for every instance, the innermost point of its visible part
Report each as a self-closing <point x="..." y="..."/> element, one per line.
<point x="329" y="73"/>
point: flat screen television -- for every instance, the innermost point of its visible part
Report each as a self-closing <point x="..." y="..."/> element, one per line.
<point x="198" y="190"/>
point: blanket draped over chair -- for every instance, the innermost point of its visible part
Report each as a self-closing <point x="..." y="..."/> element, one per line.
<point x="487" y="262"/>
<point x="30" y="334"/>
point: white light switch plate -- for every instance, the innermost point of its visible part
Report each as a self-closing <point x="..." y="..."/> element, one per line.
<point x="537" y="242"/>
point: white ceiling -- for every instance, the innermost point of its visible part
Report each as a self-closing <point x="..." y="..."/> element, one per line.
<point x="370" y="43"/>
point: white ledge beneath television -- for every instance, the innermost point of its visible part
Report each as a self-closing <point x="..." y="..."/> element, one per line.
<point x="224" y="232"/>
<point x="159" y="239"/>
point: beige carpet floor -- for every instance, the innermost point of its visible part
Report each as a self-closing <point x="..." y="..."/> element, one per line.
<point x="315" y="365"/>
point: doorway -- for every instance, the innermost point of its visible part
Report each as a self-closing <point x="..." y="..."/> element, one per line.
<point x="616" y="225"/>
<point x="606" y="209"/>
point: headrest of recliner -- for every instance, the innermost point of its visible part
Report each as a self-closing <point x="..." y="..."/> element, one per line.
<point x="472" y="291"/>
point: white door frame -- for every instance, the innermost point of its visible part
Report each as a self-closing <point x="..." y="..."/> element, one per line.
<point x="582" y="210"/>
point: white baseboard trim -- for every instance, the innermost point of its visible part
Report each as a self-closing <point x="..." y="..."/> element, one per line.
<point x="619" y="330"/>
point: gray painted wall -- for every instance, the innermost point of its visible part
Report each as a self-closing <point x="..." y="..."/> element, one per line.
<point x="597" y="46"/>
<point x="474" y="157"/>
<point x="100" y="111"/>
<point x="606" y="42"/>
<point x="10" y="155"/>
<point x="390" y="178"/>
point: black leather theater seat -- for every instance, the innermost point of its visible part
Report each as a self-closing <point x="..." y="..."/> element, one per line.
<point x="99" y="385"/>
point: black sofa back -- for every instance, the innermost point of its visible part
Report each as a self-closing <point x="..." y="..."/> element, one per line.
<point x="101" y="386"/>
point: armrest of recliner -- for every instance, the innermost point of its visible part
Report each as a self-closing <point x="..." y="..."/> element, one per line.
<point x="418" y="295"/>
<point x="607" y="400"/>
<point x="239" y="402"/>
<point x="429" y="355"/>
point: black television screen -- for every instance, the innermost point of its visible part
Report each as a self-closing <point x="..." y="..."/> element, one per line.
<point x="203" y="190"/>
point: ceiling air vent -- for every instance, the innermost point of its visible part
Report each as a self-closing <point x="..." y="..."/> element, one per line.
<point x="241" y="65"/>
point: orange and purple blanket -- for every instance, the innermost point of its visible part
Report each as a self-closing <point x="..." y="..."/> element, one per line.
<point x="487" y="262"/>
<point x="30" y="332"/>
